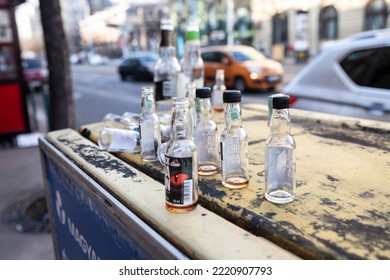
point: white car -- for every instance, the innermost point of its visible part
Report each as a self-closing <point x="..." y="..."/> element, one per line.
<point x="350" y="77"/>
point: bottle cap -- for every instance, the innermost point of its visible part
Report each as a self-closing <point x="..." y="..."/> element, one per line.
<point x="232" y="96"/>
<point x="192" y="31"/>
<point x="204" y="92"/>
<point x="167" y="36"/>
<point x="280" y="101"/>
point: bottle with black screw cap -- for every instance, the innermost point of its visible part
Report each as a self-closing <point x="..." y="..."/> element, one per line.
<point x="167" y="68"/>
<point x="279" y="152"/>
<point x="234" y="144"/>
<point x="206" y="134"/>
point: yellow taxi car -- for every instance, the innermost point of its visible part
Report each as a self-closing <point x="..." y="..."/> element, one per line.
<point x="245" y="67"/>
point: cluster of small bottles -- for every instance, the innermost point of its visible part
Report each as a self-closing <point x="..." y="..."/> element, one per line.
<point x="190" y="144"/>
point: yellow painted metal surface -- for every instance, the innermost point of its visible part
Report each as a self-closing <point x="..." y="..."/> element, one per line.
<point x="199" y="234"/>
<point x="342" y="209"/>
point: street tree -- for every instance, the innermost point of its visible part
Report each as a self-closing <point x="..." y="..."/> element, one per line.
<point x="61" y="109"/>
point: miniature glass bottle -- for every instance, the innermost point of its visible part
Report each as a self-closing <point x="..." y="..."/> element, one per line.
<point x="181" y="167"/>
<point x="234" y="144"/>
<point x="123" y="122"/>
<point x="192" y="64"/>
<point x="149" y="126"/>
<point x="206" y="135"/>
<point x="218" y="90"/>
<point x="119" y="140"/>
<point x="167" y="67"/>
<point x="191" y="95"/>
<point x="279" y="152"/>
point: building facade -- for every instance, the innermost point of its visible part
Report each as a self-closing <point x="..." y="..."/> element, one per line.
<point x="312" y="23"/>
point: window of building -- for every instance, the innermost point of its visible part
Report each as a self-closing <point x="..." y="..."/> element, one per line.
<point x="369" y="67"/>
<point x="279" y="29"/>
<point x="328" y="23"/>
<point x="376" y="13"/>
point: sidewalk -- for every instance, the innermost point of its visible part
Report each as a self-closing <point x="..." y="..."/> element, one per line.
<point x="23" y="234"/>
<point x="21" y="179"/>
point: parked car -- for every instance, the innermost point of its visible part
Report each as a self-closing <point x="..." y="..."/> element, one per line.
<point x="349" y="77"/>
<point x="244" y="66"/>
<point x="139" y="66"/>
<point x="35" y="74"/>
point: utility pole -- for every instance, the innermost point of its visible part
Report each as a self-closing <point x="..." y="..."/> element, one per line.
<point x="61" y="112"/>
<point x="230" y="21"/>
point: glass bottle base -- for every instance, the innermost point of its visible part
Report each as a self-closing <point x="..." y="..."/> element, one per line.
<point x="207" y="169"/>
<point x="235" y="182"/>
<point x="279" y="196"/>
<point x="180" y="209"/>
<point x="218" y="109"/>
<point x="149" y="158"/>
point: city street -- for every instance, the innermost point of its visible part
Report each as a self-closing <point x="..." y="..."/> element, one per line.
<point x="98" y="90"/>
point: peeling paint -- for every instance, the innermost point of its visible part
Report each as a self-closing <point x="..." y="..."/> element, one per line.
<point x="342" y="208"/>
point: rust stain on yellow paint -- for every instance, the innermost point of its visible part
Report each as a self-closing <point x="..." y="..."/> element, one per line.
<point x="342" y="209"/>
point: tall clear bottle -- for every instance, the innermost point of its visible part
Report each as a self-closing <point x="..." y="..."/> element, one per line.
<point x="191" y="95"/>
<point x="218" y="90"/>
<point x="192" y="65"/>
<point x="168" y="67"/>
<point x="279" y="152"/>
<point x="150" y="136"/>
<point x="234" y="144"/>
<point x="206" y="135"/>
<point x="181" y="161"/>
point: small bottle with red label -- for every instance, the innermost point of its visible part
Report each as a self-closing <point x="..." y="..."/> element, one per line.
<point x="180" y="161"/>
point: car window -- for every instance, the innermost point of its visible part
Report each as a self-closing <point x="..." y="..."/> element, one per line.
<point x="370" y="67"/>
<point x="31" y="63"/>
<point x="148" y="59"/>
<point x="381" y="74"/>
<point x="246" y="55"/>
<point x="130" y="62"/>
<point x="214" y="57"/>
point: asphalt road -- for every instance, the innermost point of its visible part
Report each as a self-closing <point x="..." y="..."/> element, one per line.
<point x="98" y="90"/>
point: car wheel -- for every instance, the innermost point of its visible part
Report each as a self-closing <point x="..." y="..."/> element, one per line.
<point x="123" y="77"/>
<point x="239" y="84"/>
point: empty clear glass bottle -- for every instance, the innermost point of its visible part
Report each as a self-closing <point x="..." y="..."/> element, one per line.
<point x="206" y="135"/>
<point x="279" y="152"/>
<point x="191" y="95"/>
<point x="192" y="65"/>
<point x="123" y="122"/>
<point x="218" y="90"/>
<point x="150" y="136"/>
<point x="181" y="161"/>
<point x="119" y="140"/>
<point x="168" y="67"/>
<point x="234" y="144"/>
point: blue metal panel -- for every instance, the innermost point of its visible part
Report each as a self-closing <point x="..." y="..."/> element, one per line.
<point x="83" y="225"/>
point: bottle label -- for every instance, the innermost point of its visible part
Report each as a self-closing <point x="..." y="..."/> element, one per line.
<point x="147" y="137"/>
<point x="234" y="114"/>
<point x="148" y="104"/>
<point x="280" y="167"/>
<point x="179" y="184"/>
<point x="167" y="88"/>
<point x="230" y="155"/>
<point x="198" y="108"/>
<point x="163" y="89"/>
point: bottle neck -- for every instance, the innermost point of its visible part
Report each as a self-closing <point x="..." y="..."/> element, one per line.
<point x="233" y="115"/>
<point x="192" y="50"/>
<point x="167" y="52"/>
<point x="148" y="105"/>
<point x="181" y="122"/>
<point x="280" y="123"/>
<point x="204" y="109"/>
<point x="220" y="80"/>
